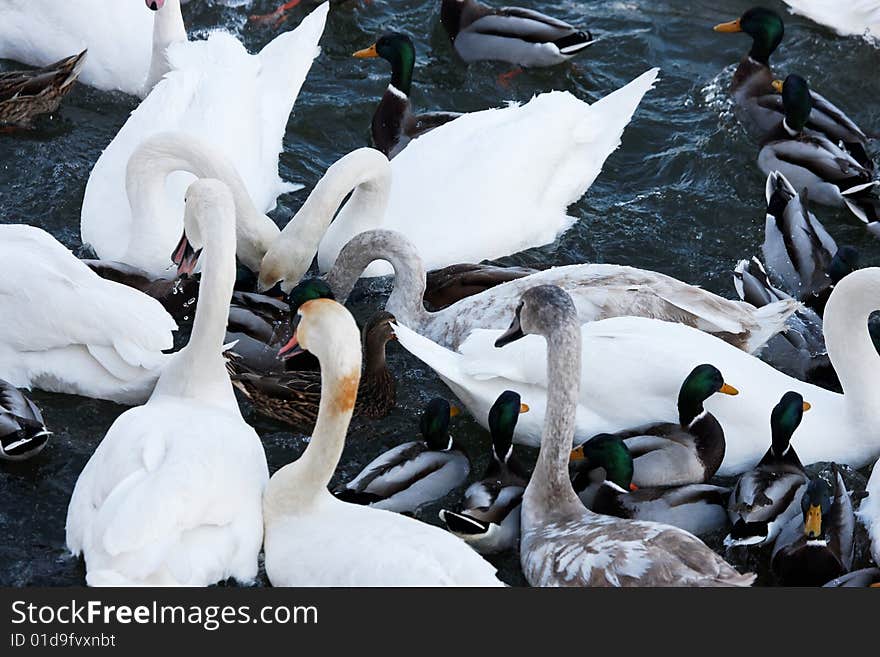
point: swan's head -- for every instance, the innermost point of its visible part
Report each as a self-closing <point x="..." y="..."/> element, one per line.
<point x="285" y="263"/>
<point x="328" y="331"/>
<point x="155" y="5"/>
<point x="540" y="312"/>
<point x="206" y="201"/>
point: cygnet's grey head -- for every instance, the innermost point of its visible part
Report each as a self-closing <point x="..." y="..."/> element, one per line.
<point x="541" y="311"/>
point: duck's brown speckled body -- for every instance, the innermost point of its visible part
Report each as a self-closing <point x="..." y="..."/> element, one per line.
<point x="25" y="95"/>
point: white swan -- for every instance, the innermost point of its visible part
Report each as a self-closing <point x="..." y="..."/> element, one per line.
<point x="172" y="495"/>
<point x="636" y="366"/>
<point x="562" y="543"/>
<point x="126" y="41"/>
<point x="216" y="91"/>
<point x="488" y="184"/>
<point x="65" y="329"/>
<point x="314" y="539"/>
<point x="869" y="513"/>
<point x="850" y="18"/>
<point x="599" y="291"/>
<point x="153" y="230"/>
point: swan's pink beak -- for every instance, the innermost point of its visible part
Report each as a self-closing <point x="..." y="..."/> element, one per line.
<point x="185" y="257"/>
<point x="155" y="5"/>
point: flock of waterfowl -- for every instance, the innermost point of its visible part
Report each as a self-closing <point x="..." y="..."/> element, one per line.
<point x="636" y="388"/>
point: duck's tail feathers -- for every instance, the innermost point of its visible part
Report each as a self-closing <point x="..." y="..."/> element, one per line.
<point x="460" y="523"/>
<point x="573" y="43"/>
<point x="864" y="204"/>
<point x="753" y="285"/>
<point x="746" y="533"/>
<point x="356" y="497"/>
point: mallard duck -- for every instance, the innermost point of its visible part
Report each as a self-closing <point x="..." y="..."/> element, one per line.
<point x="562" y="542"/>
<point x="172" y="496"/>
<point x="864" y="578"/>
<point x="519" y="36"/>
<point x="811" y="162"/>
<point x="25" y="95"/>
<point x="292" y="396"/>
<point x="766" y="497"/>
<point x="659" y="355"/>
<point x="414" y="473"/>
<point x="444" y="287"/>
<point x="817" y="545"/>
<point x="852" y="18"/>
<point x="687" y="452"/>
<point x="758" y="105"/>
<point x="394" y="123"/>
<point x="488" y="518"/>
<point x="603" y="481"/>
<point x="23" y="432"/>
<point x="314" y="539"/>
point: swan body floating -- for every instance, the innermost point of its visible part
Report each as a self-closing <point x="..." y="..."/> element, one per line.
<point x="659" y="355"/>
<point x="314" y="539"/>
<point x="599" y="291"/>
<point x="172" y="495"/>
<point x="218" y="93"/>
<point x="65" y="329"/>
<point x="562" y="542"/>
<point x="515" y="170"/>
<point x="23" y="433"/>
<point x="852" y="18"/>
<point x="126" y="42"/>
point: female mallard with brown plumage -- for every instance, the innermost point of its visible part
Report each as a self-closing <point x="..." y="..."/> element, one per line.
<point x="25" y="95"/>
<point x="293" y="396"/>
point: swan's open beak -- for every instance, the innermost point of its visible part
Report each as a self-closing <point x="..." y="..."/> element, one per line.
<point x="366" y="52"/>
<point x="185" y="257"/>
<point x="512" y="334"/>
<point x="291" y="349"/>
<point x="731" y="26"/>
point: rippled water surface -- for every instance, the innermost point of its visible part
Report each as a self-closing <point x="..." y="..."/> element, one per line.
<point x="682" y="195"/>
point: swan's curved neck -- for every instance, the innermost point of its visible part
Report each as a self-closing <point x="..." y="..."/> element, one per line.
<point x="155" y="228"/>
<point x="199" y="369"/>
<point x="168" y="28"/>
<point x="297" y="485"/>
<point x="849" y="343"/>
<point x="406" y="299"/>
<point x="550" y="487"/>
<point x="366" y="175"/>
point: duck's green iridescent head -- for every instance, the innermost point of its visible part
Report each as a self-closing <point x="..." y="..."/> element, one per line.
<point x="785" y="418"/>
<point x="434" y="423"/>
<point x="764" y="26"/>
<point x="503" y="417"/>
<point x="398" y="50"/>
<point x="313" y="288"/>
<point x="815" y="504"/>
<point x="609" y="453"/>
<point x="703" y="382"/>
<point x="796" y="100"/>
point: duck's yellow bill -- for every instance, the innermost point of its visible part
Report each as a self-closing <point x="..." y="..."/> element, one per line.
<point x="366" y="52"/>
<point x="807" y="406"/>
<point x="731" y="26"/>
<point x="813" y="522"/>
<point x="454" y="411"/>
<point x="728" y="389"/>
<point x="577" y="454"/>
<point x="523" y="408"/>
<point x="777" y="86"/>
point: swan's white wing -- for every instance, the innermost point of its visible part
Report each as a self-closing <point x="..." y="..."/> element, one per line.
<point x="854" y="17"/>
<point x="499" y="181"/>
<point x="117" y="33"/>
<point x="219" y="93"/>
<point x="167" y="494"/>
<point x="50" y="300"/>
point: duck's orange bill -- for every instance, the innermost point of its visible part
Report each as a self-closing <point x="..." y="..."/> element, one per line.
<point x="523" y="408"/>
<point x="777" y="86"/>
<point x="633" y="488"/>
<point x="366" y="52"/>
<point x="728" y="389"/>
<point x="454" y="411"/>
<point x="807" y="406"/>
<point x="731" y="26"/>
<point x="577" y="454"/>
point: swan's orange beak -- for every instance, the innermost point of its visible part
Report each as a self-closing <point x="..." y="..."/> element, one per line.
<point x="366" y="52"/>
<point x="731" y="26"/>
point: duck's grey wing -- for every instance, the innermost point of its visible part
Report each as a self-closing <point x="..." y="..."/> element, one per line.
<point x="419" y="124"/>
<point x="14" y="402"/>
<point x="523" y="23"/>
<point x="761" y="496"/>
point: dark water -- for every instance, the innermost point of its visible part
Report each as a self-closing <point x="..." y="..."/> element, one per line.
<point x="682" y="195"/>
